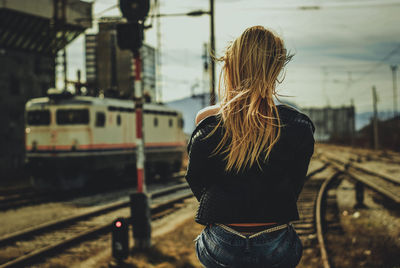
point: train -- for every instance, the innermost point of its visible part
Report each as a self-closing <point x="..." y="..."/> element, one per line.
<point x="72" y="140"/>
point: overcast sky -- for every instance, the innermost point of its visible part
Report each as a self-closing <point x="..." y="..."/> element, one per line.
<point x="341" y="49"/>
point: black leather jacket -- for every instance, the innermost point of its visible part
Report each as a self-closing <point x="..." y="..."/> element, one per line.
<point x="253" y="195"/>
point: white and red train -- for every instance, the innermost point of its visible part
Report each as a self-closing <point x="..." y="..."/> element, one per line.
<point x="71" y="140"/>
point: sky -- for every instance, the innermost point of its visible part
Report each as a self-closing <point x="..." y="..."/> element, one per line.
<point x="342" y="47"/>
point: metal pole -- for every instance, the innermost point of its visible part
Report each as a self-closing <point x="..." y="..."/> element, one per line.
<point x="140" y="157"/>
<point x="64" y="22"/>
<point x="140" y="209"/>
<point x="375" y="120"/>
<point x="359" y="195"/>
<point x="158" y="96"/>
<point x="206" y="71"/>
<point x="351" y="122"/>
<point x="78" y="88"/>
<point x="394" y="76"/>
<point x="113" y="51"/>
<point x="212" y="44"/>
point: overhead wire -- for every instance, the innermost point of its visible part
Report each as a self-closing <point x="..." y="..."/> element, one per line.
<point x="376" y="66"/>
<point x="105" y="10"/>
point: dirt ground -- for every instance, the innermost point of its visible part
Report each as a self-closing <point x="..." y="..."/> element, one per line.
<point x="172" y="250"/>
<point x="368" y="237"/>
<point x="172" y="239"/>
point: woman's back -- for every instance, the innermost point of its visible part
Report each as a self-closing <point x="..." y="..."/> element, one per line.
<point x="247" y="196"/>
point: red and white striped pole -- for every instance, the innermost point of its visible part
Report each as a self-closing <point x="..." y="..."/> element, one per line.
<point x="140" y="209"/>
<point x="140" y="156"/>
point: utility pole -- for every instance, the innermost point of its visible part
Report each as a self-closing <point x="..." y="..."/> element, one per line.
<point x="324" y="80"/>
<point x="158" y="55"/>
<point x="352" y="122"/>
<point x="113" y="51"/>
<point x="64" y="36"/>
<point x="212" y="44"/>
<point x="375" y="118"/>
<point x="394" y="76"/>
<point x="206" y="70"/>
<point x="78" y="84"/>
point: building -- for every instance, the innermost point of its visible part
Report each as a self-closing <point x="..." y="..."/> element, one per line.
<point x="148" y="70"/>
<point x="333" y="124"/>
<point x="90" y="54"/>
<point x="110" y="68"/>
<point x="31" y="35"/>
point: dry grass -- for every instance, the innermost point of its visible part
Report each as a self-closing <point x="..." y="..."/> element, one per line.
<point x="173" y="250"/>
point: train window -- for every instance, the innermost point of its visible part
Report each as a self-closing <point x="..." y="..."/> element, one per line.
<point x="100" y="119"/>
<point x="181" y="122"/>
<point x="118" y="120"/>
<point x="38" y="118"/>
<point x="155" y="121"/>
<point x="170" y="122"/>
<point x="72" y="116"/>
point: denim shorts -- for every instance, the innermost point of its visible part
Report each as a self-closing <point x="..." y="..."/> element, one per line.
<point x="218" y="247"/>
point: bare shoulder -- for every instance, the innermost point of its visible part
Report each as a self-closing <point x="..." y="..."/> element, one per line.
<point x="206" y="112"/>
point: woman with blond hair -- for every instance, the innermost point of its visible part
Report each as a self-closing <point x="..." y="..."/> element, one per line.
<point x="248" y="160"/>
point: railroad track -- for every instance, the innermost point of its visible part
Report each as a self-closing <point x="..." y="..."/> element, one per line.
<point x="381" y="182"/>
<point x="16" y="198"/>
<point x="23" y="198"/>
<point x="29" y="246"/>
<point x="314" y="197"/>
<point x="363" y="155"/>
<point x="311" y="206"/>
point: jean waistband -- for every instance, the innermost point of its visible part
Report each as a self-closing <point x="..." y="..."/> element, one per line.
<point x="268" y="230"/>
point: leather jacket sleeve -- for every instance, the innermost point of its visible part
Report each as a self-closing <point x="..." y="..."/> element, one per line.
<point x="198" y="163"/>
<point x="303" y="156"/>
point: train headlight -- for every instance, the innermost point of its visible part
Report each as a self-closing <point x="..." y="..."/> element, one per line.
<point x="27" y="130"/>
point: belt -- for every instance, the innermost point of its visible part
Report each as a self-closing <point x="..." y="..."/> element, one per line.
<point x="250" y="228"/>
<point x="251" y="235"/>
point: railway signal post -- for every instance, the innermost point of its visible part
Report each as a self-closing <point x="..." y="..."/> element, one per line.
<point x="130" y="36"/>
<point x="120" y="239"/>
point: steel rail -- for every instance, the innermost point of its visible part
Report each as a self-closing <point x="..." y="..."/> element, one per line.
<point x="310" y="206"/>
<point x="318" y="221"/>
<point x="51" y="249"/>
<point x="376" y="173"/>
<point x="385" y="156"/>
<point x="95" y="212"/>
<point x="17" y="200"/>
<point x="15" y="190"/>
<point x="13" y="198"/>
<point x="392" y="191"/>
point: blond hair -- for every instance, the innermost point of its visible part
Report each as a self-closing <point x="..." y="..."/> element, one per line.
<point x="252" y="64"/>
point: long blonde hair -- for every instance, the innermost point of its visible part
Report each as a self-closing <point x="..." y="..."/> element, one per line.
<point x="252" y="64"/>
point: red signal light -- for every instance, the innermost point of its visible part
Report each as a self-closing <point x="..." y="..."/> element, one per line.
<point x="118" y="224"/>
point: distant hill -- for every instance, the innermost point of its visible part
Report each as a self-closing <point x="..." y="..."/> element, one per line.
<point x="388" y="134"/>
<point x="189" y="107"/>
<point x="363" y="119"/>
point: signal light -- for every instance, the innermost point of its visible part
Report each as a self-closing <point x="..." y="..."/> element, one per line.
<point x="120" y="239"/>
<point x="134" y="10"/>
<point x="130" y="35"/>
